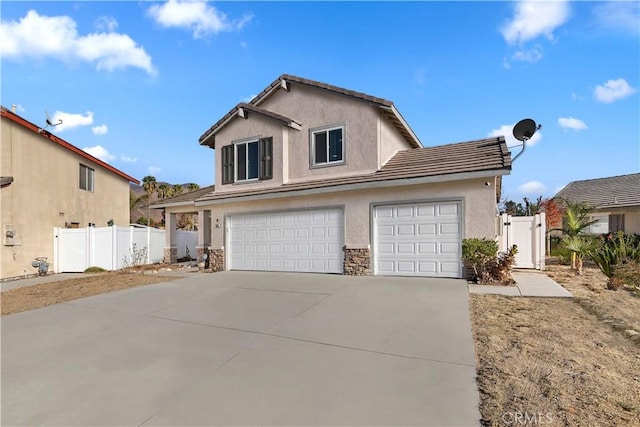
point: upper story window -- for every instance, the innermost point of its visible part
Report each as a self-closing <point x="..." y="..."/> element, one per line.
<point x="247" y="161"/>
<point x="327" y="146"/>
<point x="87" y="178"/>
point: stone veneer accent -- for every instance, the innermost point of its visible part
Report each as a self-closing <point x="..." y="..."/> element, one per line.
<point x="357" y="262"/>
<point x="216" y="260"/>
<point x="170" y="255"/>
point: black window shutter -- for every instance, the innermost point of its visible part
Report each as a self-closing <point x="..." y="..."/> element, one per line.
<point x="265" y="153"/>
<point x="227" y="164"/>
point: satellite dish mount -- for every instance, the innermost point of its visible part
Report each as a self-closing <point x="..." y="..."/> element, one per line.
<point x="523" y="131"/>
<point x="50" y="122"/>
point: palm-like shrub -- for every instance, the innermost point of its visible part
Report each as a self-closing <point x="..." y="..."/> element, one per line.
<point x="613" y="256"/>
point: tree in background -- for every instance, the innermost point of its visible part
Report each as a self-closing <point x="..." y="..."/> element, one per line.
<point x="149" y="184"/>
<point x="164" y="191"/>
<point x="193" y="187"/>
<point x="177" y="189"/>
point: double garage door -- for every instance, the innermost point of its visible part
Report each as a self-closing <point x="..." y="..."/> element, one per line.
<point x="409" y="240"/>
<point x="303" y="241"/>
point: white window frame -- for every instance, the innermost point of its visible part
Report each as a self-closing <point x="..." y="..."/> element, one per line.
<point x="246" y="162"/>
<point x="89" y="176"/>
<point x="326" y="130"/>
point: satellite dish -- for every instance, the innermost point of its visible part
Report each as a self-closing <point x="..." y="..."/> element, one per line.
<point x="523" y="131"/>
<point x="50" y="122"/>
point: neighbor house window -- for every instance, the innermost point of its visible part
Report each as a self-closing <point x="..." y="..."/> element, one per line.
<point x="247" y="161"/>
<point x="616" y="222"/>
<point x="327" y="146"/>
<point x="87" y="177"/>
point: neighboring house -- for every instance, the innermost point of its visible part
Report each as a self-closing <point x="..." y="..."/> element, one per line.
<point x="616" y="200"/>
<point x="311" y="177"/>
<point x="47" y="183"/>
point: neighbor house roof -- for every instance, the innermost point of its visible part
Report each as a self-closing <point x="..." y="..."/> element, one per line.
<point x="610" y="192"/>
<point x="183" y="199"/>
<point x="442" y="163"/>
<point x="4" y="112"/>
<point x="282" y="82"/>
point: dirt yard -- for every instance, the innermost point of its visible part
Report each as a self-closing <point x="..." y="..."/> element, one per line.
<point x="559" y="362"/>
<point x="42" y="295"/>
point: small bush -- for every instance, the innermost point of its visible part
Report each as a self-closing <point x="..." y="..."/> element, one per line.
<point x="476" y="254"/>
<point x="618" y="257"/>
<point x="481" y="255"/>
<point x="95" y="270"/>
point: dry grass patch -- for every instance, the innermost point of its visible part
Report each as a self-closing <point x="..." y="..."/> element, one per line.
<point x="551" y="358"/>
<point x="42" y="295"/>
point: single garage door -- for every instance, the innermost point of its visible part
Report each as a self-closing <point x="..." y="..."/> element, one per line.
<point x="302" y="241"/>
<point x="422" y="239"/>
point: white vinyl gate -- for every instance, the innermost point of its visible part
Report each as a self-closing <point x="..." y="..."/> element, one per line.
<point x="528" y="233"/>
<point x="111" y="248"/>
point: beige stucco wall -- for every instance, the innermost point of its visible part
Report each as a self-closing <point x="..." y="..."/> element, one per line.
<point x="391" y="141"/>
<point x="252" y="128"/>
<point x="478" y="206"/>
<point x="316" y="108"/>
<point x="45" y="193"/>
<point x="631" y="217"/>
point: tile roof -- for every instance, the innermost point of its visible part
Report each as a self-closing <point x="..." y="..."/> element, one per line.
<point x="387" y="106"/>
<point x="485" y="155"/>
<point x="4" y="112"/>
<point x="206" y="139"/>
<point x="614" y="191"/>
<point x="183" y="198"/>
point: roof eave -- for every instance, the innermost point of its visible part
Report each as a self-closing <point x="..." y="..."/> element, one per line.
<point x="280" y="192"/>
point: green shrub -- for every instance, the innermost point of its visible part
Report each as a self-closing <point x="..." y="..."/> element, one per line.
<point x="95" y="270"/>
<point x="476" y="254"/>
<point x="618" y="256"/>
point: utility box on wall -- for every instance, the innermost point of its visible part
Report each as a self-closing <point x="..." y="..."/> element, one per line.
<point x="10" y="236"/>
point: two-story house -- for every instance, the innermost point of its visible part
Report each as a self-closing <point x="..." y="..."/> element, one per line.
<point x="310" y="177"/>
<point x="48" y="182"/>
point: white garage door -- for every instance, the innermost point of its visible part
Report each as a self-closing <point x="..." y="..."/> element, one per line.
<point x="302" y="241"/>
<point x="418" y="239"/>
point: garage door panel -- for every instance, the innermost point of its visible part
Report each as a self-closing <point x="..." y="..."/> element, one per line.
<point x="288" y="241"/>
<point x="422" y="239"/>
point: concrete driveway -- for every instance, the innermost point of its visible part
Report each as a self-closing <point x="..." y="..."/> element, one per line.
<point x="239" y="348"/>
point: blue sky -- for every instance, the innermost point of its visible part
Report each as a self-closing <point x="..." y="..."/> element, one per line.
<point x="136" y="83"/>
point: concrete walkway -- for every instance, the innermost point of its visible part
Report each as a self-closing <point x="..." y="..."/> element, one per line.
<point x="241" y="348"/>
<point x="529" y="283"/>
<point x="49" y="278"/>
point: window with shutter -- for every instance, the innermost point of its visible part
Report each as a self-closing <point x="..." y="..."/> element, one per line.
<point x="265" y="149"/>
<point x="228" y="164"/>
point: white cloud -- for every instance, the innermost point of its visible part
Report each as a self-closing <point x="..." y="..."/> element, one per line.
<point x="576" y="97"/>
<point x="198" y="17"/>
<point x="507" y="132"/>
<point x="613" y="90"/>
<point x="154" y="170"/>
<point x="57" y="37"/>
<point x="533" y="19"/>
<point x="99" y="152"/>
<point x="532" y="187"/>
<point x="100" y="130"/>
<point x="572" y="123"/>
<point x="531" y="55"/>
<point x="71" y="121"/>
<point x="244" y="45"/>
<point x="106" y="24"/>
<point x="127" y="159"/>
<point x="249" y="98"/>
<point x="419" y="75"/>
<point x="619" y="15"/>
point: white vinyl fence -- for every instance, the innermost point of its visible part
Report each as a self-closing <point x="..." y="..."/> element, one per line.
<point x="528" y="233"/>
<point x="112" y="248"/>
<point x="185" y="242"/>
